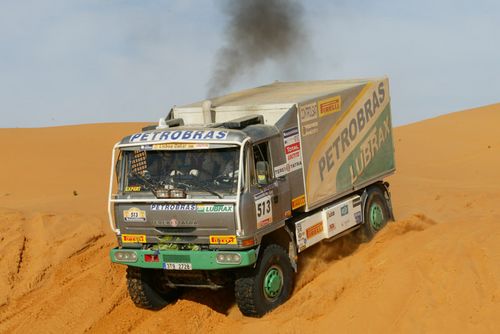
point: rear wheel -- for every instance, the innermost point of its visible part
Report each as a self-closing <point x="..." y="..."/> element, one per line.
<point x="146" y="289"/>
<point x="376" y="214"/>
<point x="268" y="285"/>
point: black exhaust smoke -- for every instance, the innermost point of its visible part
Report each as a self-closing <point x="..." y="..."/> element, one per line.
<point x="258" y="30"/>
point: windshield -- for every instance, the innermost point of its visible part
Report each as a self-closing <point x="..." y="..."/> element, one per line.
<point x="213" y="171"/>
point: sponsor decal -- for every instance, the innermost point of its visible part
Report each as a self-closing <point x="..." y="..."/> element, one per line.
<point x="297" y="202"/>
<point x="310" y="129"/>
<point x="291" y="141"/>
<point x="263" y="208"/>
<point x="344" y="210"/>
<point x="132" y="188"/>
<point x="281" y="170"/>
<point x="345" y="134"/>
<point x="214" y="208"/>
<point x="369" y="148"/>
<point x="178" y="135"/>
<point x="173" y="207"/>
<point x="173" y="146"/>
<point x="223" y="240"/>
<point x="133" y="238"/>
<point x="331" y="227"/>
<point x="174" y="222"/>
<point x="308" y="112"/>
<point x="314" y="230"/>
<point x="329" y="106"/>
<point x="134" y="215"/>
<point x="294" y="147"/>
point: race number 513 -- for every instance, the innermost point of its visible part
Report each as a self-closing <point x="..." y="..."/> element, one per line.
<point x="264" y="211"/>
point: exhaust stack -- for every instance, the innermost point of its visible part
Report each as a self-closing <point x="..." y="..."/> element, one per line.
<point x="208" y="113"/>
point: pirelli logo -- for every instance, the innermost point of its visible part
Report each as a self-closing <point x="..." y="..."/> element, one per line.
<point x="314" y="230"/>
<point x="133" y="238"/>
<point x="329" y="106"/>
<point x="297" y="202"/>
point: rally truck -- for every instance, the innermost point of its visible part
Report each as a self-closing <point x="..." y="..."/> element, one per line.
<point x="228" y="192"/>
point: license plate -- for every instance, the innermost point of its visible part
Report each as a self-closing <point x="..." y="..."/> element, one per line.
<point x="177" y="266"/>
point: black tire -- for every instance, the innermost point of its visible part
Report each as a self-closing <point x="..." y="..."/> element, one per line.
<point x="274" y="270"/>
<point x="145" y="288"/>
<point x="376" y="214"/>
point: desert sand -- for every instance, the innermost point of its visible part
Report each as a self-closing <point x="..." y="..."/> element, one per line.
<point x="436" y="269"/>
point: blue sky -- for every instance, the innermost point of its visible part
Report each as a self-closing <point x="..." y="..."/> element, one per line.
<point x="70" y="62"/>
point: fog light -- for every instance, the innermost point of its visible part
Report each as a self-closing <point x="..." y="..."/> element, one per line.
<point x="162" y="193"/>
<point x="125" y="256"/>
<point x="228" y="258"/>
<point x="177" y="193"/>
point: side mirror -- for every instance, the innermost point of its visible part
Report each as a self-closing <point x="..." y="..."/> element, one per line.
<point x="262" y="172"/>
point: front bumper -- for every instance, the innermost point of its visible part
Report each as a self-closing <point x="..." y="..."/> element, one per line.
<point x="199" y="260"/>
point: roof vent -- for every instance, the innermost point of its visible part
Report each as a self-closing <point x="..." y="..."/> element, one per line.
<point x="149" y="127"/>
<point x="171" y="123"/>
<point x="243" y="122"/>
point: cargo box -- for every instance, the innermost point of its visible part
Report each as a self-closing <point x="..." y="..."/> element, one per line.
<point x="337" y="135"/>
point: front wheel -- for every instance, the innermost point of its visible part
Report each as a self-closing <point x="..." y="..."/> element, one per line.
<point x="376" y="214"/>
<point x="146" y="289"/>
<point x="268" y="285"/>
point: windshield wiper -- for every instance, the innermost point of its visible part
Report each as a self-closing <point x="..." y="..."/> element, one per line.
<point x="204" y="187"/>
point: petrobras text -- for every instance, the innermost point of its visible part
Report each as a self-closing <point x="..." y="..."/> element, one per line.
<point x="179" y="135"/>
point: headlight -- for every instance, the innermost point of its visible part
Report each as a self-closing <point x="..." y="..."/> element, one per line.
<point x="125" y="256"/>
<point x="177" y="193"/>
<point x="162" y="193"/>
<point x="228" y="258"/>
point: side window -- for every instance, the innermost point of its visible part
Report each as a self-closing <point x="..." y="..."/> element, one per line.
<point x="262" y="161"/>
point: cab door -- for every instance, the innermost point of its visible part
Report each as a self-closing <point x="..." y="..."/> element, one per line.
<point x="271" y="193"/>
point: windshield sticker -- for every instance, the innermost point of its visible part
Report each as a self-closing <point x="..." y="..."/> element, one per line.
<point x="178" y="135"/>
<point x="173" y="146"/>
<point x="173" y="207"/>
<point x="215" y="208"/>
<point x="133" y="238"/>
<point x="134" y="215"/>
<point x="223" y="239"/>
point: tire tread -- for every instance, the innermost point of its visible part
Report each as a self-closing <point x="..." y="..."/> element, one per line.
<point x="246" y="287"/>
<point x="141" y="292"/>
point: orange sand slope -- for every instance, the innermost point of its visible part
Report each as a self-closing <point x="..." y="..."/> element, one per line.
<point x="434" y="270"/>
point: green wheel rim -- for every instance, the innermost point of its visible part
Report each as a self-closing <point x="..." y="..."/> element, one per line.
<point x="273" y="283"/>
<point x="376" y="216"/>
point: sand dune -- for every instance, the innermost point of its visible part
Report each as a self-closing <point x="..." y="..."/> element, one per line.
<point x="436" y="269"/>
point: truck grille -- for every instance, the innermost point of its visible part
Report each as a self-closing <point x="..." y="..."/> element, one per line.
<point x="176" y="230"/>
